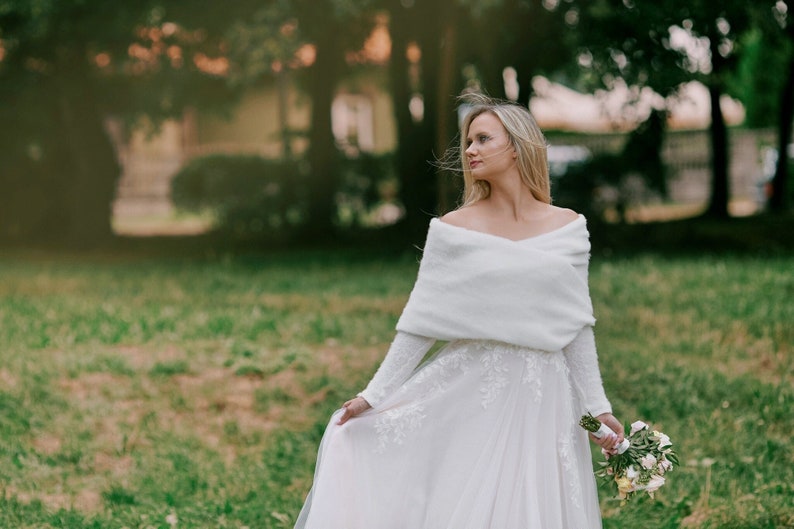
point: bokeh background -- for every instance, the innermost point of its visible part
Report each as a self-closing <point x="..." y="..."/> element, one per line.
<point x="210" y="215"/>
<point x="279" y="122"/>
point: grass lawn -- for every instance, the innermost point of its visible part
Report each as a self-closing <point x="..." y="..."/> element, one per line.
<point x="156" y="392"/>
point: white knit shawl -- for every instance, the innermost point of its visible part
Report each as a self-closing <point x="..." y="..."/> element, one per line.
<point x="473" y="285"/>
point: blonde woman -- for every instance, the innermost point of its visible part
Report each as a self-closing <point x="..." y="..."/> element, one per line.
<point x="484" y="434"/>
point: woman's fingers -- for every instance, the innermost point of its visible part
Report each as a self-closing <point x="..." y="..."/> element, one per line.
<point x="608" y="442"/>
<point x="613" y="423"/>
<point x="352" y="408"/>
<point x="345" y="415"/>
<point x="347" y="412"/>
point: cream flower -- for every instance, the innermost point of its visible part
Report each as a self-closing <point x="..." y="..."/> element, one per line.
<point x="664" y="441"/>
<point x="636" y="426"/>
<point x="654" y="483"/>
<point x="648" y="461"/>
<point x="624" y="487"/>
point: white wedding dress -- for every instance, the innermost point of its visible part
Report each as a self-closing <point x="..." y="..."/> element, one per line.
<point x="483" y="435"/>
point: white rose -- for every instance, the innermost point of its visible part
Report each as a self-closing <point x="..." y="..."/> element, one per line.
<point x="632" y="473"/>
<point x="636" y="426"/>
<point x="648" y="461"/>
<point x="664" y="465"/>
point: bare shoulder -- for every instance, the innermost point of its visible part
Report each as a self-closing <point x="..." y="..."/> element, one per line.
<point x="564" y="215"/>
<point x="556" y="218"/>
<point x="467" y="217"/>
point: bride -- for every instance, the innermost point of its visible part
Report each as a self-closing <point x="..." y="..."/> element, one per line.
<point x="483" y="434"/>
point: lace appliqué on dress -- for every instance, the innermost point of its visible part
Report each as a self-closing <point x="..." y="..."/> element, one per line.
<point x="495" y="371"/>
<point x="494" y="376"/>
<point x="566" y="451"/>
<point x="565" y="440"/>
<point x="534" y="361"/>
<point x="495" y="379"/>
<point x="393" y="425"/>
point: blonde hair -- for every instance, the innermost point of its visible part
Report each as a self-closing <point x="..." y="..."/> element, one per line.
<point x="524" y="135"/>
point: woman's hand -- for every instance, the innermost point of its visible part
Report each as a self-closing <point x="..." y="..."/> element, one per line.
<point x="611" y="441"/>
<point x="352" y="408"/>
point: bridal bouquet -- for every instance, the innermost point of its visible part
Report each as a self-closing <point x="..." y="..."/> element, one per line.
<point x="641" y="462"/>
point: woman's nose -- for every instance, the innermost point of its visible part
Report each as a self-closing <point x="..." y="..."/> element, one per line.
<point x="470" y="150"/>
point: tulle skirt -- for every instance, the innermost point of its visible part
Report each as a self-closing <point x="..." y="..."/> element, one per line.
<point x="484" y="435"/>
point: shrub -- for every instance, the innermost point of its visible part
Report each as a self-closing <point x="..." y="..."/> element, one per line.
<point x="367" y="183"/>
<point x="247" y="194"/>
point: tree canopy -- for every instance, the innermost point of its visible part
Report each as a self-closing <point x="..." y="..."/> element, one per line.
<point x="663" y="45"/>
<point x="68" y="65"/>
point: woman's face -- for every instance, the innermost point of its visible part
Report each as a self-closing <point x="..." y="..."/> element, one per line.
<point x="489" y="152"/>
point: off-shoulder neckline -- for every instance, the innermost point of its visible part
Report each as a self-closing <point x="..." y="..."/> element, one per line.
<point x="578" y="219"/>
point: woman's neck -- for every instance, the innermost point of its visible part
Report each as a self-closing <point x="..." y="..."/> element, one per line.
<point x="514" y="200"/>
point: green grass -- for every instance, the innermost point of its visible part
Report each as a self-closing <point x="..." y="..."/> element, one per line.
<point x="133" y="391"/>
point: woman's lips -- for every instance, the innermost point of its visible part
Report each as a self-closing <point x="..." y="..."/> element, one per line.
<point x="474" y="163"/>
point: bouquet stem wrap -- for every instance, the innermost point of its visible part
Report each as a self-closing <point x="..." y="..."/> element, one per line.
<point x="603" y="430"/>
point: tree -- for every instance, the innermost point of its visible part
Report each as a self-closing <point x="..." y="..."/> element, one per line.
<point x="760" y="75"/>
<point x="662" y="45"/>
<point x="334" y="27"/>
<point x="64" y="67"/>
<point x="415" y="31"/>
<point x="778" y="31"/>
<point x="523" y="34"/>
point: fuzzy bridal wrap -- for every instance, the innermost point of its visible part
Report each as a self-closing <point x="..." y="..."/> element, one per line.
<point x="473" y="285"/>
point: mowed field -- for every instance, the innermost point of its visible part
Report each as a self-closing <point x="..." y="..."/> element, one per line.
<point x="152" y="392"/>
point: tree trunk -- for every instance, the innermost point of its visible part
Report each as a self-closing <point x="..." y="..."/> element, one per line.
<point x="720" y="186"/>
<point x="778" y="202"/>
<point x="418" y="191"/>
<point x="445" y="109"/>
<point x="323" y="157"/>
<point x="282" y="85"/>
<point x="90" y="164"/>
<point x="493" y="78"/>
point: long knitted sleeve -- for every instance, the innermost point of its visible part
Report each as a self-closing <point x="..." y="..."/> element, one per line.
<point x="405" y="353"/>
<point x="582" y="360"/>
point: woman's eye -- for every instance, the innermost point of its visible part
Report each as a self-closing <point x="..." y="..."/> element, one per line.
<point x="483" y="138"/>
